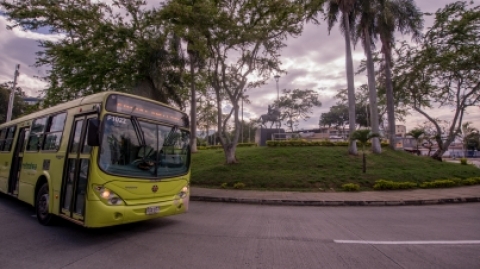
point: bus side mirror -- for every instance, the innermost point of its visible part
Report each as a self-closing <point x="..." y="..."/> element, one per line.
<point x="93" y="134"/>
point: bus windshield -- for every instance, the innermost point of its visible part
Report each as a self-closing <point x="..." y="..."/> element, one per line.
<point x="132" y="147"/>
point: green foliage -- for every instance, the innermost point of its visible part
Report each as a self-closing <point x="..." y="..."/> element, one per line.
<point x="350" y="187"/>
<point x="471" y="136"/>
<point x="240" y="145"/>
<point x="304" y="142"/>
<point x="297" y="104"/>
<point x="391" y="185"/>
<point x="224" y="185"/>
<point x="19" y="107"/>
<point x="239" y="185"/>
<point x="305" y="168"/>
<point x="123" y="47"/>
<point x="251" y="31"/>
<point x="440" y="183"/>
<point x="463" y="161"/>
<point x="445" y="183"/>
<point x="363" y="136"/>
<point x="471" y="181"/>
<point x="336" y="116"/>
<point x="449" y="53"/>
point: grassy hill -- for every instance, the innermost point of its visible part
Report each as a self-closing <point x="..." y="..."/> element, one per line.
<point x="319" y="167"/>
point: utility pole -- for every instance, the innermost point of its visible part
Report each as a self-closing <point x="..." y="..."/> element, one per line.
<point x="12" y="94"/>
<point x="241" y="127"/>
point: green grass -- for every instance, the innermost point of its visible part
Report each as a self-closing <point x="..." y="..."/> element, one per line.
<point x="314" y="168"/>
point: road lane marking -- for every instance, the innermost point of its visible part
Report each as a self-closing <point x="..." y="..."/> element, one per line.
<point x="428" y="242"/>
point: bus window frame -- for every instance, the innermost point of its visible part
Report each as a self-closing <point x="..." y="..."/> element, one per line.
<point x="42" y="135"/>
<point x="49" y="125"/>
<point x="12" y="138"/>
<point x="2" y="139"/>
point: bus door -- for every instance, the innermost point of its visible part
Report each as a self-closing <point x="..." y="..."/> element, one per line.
<point x="17" y="161"/>
<point x="75" y="175"/>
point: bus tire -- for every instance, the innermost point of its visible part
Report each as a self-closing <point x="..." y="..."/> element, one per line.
<point x="42" y="205"/>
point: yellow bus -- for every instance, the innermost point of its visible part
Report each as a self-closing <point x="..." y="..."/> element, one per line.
<point x="104" y="159"/>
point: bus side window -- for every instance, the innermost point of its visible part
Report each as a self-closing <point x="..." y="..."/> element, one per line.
<point x="53" y="134"/>
<point x="27" y="134"/>
<point x="36" y="134"/>
<point x="9" y="139"/>
<point x="3" y="134"/>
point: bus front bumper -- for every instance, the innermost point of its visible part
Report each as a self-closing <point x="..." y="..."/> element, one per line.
<point x="99" y="214"/>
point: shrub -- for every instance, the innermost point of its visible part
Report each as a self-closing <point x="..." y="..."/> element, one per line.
<point x="463" y="161"/>
<point x="242" y="145"/>
<point x="224" y="185"/>
<point x="445" y="183"/>
<point x="350" y="187"/>
<point x="471" y="181"/>
<point x="390" y="185"/>
<point x="239" y="185"/>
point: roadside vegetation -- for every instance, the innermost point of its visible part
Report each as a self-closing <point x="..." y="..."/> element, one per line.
<point x="325" y="168"/>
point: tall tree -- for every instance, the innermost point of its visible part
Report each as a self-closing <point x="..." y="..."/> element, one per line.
<point x="344" y="8"/>
<point x="246" y="40"/>
<point x="103" y="49"/>
<point x="190" y="20"/>
<point x="405" y="17"/>
<point x="365" y="30"/>
<point x="443" y="70"/>
<point x="297" y="104"/>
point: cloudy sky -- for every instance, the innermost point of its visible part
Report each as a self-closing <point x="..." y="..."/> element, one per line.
<point x="315" y="60"/>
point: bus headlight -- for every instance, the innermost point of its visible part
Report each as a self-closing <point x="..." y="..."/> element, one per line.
<point x="183" y="193"/>
<point x="107" y="195"/>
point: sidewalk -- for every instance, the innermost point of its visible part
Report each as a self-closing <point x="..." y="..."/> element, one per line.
<point x="367" y="198"/>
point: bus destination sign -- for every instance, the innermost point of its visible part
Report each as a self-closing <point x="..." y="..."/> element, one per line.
<point x="145" y="109"/>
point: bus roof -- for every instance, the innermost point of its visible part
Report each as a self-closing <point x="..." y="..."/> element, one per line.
<point x="85" y="100"/>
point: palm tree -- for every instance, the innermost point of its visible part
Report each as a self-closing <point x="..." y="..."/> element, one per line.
<point x="363" y="136"/>
<point x="418" y="134"/>
<point x="365" y="30"/>
<point x="345" y="7"/>
<point x="405" y="17"/>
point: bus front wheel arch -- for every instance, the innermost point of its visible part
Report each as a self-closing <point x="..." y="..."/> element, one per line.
<point x="42" y="202"/>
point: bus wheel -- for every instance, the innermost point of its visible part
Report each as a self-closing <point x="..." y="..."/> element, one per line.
<point x="41" y="206"/>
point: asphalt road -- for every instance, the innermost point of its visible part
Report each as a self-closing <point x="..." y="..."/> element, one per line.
<point x="216" y="235"/>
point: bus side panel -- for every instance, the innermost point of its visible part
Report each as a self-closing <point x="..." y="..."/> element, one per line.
<point x="4" y="171"/>
<point x="29" y="174"/>
<point x="6" y="164"/>
<point x="57" y="164"/>
<point x="5" y="159"/>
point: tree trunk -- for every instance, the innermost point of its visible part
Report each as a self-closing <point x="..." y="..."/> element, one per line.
<point x="145" y="88"/>
<point x="193" y="109"/>
<point x="364" y="161"/>
<point x="352" y="147"/>
<point x="390" y="102"/>
<point x="376" y="148"/>
<point x="230" y="156"/>
<point x="438" y="155"/>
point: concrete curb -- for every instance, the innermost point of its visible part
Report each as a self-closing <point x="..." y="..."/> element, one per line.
<point x="333" y="203"/>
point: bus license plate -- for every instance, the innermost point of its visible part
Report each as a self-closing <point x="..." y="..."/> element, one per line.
<point x="152" y="210"/>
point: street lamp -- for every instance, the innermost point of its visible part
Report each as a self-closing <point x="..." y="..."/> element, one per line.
<point x="277" y="77"/>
